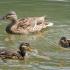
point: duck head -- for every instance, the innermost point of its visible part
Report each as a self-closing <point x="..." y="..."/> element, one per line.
<point x="10" y="16"/>
<point x="25" y="47"/>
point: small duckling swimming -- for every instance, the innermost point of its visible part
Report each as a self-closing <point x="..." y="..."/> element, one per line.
<point x="20" y="54"/>
<point x="64" y="42"/>
<point x="24" y="25"/>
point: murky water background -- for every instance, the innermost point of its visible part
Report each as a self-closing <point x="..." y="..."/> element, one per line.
<point x="56" y="11"/>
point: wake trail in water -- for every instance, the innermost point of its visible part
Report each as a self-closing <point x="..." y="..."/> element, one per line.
<point x="61" y="25"/>
<point x="35" y="53"/>
<point x="60" y="0"/>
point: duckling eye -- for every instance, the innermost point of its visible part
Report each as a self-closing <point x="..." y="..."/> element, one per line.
<point x="10" y="14"/>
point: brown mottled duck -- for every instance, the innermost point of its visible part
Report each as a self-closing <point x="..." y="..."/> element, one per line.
<point x="25" y="25"/>
<point x="14" y="54"/>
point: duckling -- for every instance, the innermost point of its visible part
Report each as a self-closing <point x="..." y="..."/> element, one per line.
<point x="64" y="42"/>
<point x="20" y="54"/>
<point x="24" y="25"/>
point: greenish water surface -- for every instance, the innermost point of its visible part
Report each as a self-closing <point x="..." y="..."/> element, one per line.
<point x="57" y="12"/>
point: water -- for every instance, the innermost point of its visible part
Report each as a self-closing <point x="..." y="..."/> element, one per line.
<point x="56" y="11"/>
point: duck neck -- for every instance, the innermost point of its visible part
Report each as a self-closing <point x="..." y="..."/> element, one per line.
<point x="22" y="53"/>
<point x="14" y="21"/>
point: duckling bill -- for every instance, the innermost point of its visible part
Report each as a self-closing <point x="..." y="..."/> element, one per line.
<point x="11" y="54"/>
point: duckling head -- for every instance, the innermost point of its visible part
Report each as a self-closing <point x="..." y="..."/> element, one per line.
<point x="63" y="38"/>
<point x="10" y="16"/>
<point x="25" y="47"/>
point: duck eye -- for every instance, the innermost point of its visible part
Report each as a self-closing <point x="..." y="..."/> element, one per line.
<point x="9" y="14"/>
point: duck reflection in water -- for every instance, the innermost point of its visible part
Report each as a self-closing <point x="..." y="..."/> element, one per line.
<point x="13" y="54"/>
<point x="64" y="42"/>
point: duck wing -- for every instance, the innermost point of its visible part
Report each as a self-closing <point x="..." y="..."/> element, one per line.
<point x="6" y="53"/>
<point x="31" y="21"/>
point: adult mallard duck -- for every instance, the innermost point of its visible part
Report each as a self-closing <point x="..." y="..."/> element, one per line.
<point x="12" y="54"/>
<point x="25" y="25"/>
